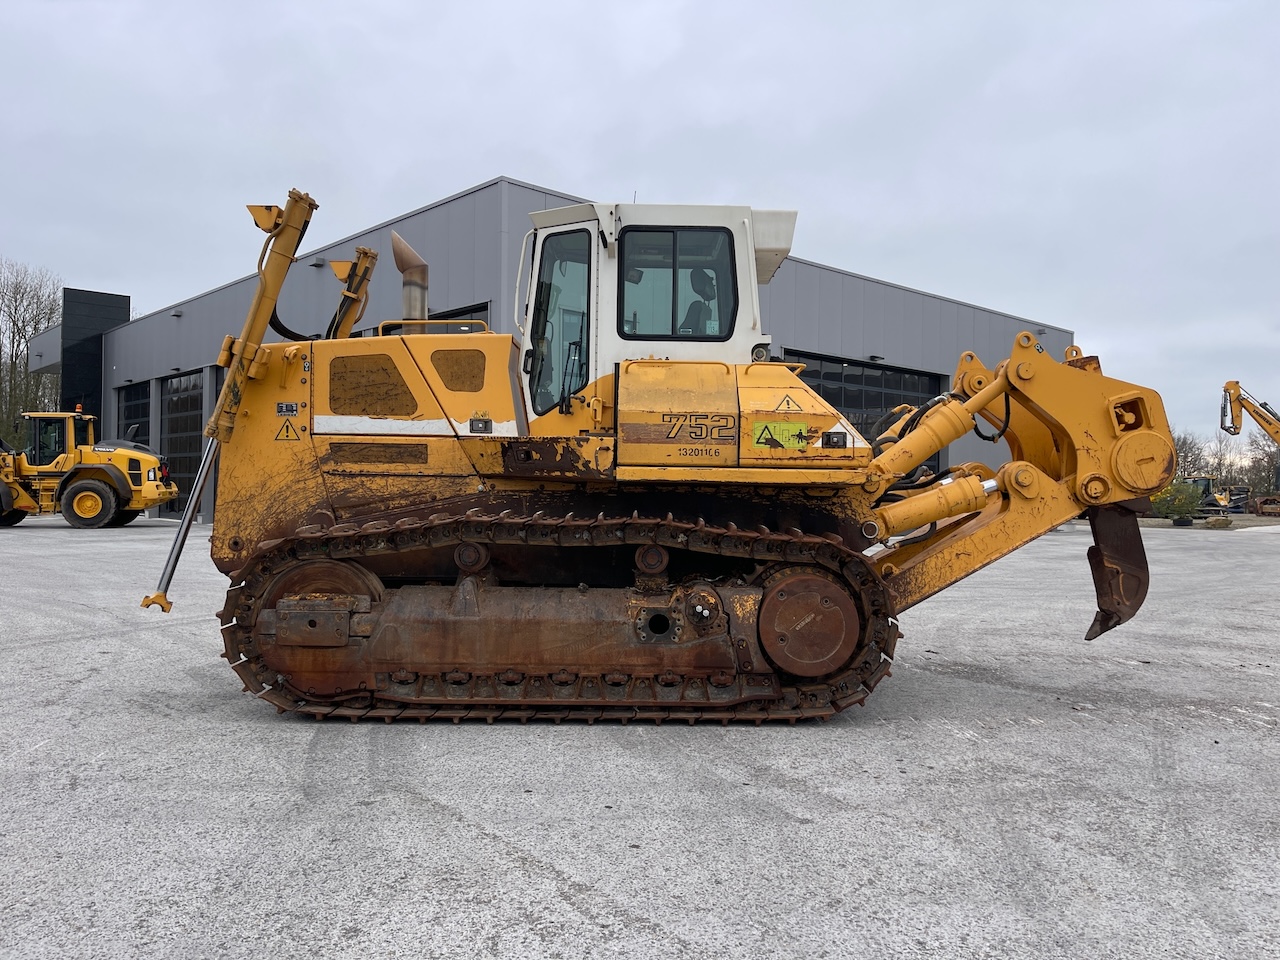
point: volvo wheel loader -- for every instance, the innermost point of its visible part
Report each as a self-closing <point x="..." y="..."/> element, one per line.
<point x="627" y="511"/>
<point x="61" y="468"/>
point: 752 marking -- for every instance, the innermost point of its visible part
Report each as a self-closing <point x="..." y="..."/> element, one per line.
<point x="701" y="426"/>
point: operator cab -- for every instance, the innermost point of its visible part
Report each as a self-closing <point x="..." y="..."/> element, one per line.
<point x="617" y="282"/>
<point x="48" y="436"/>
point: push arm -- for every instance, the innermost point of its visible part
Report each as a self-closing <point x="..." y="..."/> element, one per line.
<point x="1081" y="443"/>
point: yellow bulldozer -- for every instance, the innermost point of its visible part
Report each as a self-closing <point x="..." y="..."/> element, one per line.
<point x="63" y="469"/>
<point x="628" y="511"/>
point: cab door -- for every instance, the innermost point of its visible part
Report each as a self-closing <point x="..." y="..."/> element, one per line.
<point x="46" y="444"/>
<point x="558" y="363"/>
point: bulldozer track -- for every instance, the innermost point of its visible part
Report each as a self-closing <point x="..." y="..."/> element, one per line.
<point x="559" y="697"/>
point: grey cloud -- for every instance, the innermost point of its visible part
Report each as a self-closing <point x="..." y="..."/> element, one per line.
<point x="1104" y="167"/>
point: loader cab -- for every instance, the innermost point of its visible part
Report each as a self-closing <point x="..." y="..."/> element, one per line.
<point x="610" y="283"/>
<point x="50" y="436"/>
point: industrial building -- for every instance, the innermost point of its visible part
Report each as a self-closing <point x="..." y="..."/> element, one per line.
<point x="868" y="345"/>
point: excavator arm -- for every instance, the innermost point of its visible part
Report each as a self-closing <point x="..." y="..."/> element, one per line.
<point x="1236" y="400"/>
<point x="1081" y="443"/>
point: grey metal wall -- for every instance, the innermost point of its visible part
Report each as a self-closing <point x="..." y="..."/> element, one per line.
<point x="820" y="309"/>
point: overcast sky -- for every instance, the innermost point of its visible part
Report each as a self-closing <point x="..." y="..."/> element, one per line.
<point x="1107" y="167"/>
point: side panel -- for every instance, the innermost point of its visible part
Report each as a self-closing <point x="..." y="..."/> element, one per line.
<point x="269" y="482"/>
<point x="475" y="378"/>
<point x="784" y="423"/>
<point x="382" y="438"/>
<point x="677" y="414"/>
<point x="712" y="415"/>
<point x="373" y="387"/>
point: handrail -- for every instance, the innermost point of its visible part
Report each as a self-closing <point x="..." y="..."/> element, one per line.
<point x="403" y="324"/>
<point x="669" y="362"/>
<point x="791" y="365"/>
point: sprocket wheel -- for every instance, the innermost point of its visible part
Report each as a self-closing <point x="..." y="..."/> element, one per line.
<point x="810" y="625"/>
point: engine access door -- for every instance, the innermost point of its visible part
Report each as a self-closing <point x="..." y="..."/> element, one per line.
<point x="677" y="414"/>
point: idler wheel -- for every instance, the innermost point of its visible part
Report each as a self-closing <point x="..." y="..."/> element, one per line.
<point x="322" y="576"/>
<point x="651" y="559"/>
<point x="471" y="557"/>
<point x="809" y="625"/>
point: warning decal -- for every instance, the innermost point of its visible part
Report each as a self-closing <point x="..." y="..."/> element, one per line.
<point x="787" y="405"/>
<point x="288" y="432"/>
<point x="779" y="434"/>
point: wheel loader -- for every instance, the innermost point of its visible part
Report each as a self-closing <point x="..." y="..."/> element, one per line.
<point x="628" y="511"/>
<point x="62" y="469"/>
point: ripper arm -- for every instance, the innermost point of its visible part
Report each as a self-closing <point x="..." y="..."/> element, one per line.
<point x="1081" y="443"/>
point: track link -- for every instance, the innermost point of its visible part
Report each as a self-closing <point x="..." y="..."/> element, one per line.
<point x="789" y="698"/>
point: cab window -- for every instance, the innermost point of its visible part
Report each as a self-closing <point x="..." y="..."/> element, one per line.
<point x="678" y="284"/>
<point x="47" y="440"/>
<point x="557" y="360"/>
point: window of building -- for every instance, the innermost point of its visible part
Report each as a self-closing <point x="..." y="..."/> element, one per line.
<point x="677" y="284"/>
<point x="561" y="320"/>
<point x="133" y="408"/>
<point x="461" y="320"/>
<point x="182" y="431"/>
<point x="864" y="392"/>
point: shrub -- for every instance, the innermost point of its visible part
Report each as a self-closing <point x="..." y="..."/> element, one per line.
<point x="1177" y="500"/>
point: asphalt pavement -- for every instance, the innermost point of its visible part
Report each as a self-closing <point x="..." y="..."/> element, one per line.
<point x="1011" y="791"/>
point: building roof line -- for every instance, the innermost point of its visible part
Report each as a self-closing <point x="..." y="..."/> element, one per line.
<point x="573" y="199"/>
<point x="926" y="293"/>
<point x="359" y="233"/>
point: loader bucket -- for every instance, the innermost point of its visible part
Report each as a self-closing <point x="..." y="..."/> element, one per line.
<point x="1119" y="564"/>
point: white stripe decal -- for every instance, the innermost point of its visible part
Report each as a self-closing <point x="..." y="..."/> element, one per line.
<point x="382" y="427"/>
<point x="501" y="428"/>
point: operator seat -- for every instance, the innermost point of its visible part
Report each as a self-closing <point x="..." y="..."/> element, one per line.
<point x="699" y="312"/>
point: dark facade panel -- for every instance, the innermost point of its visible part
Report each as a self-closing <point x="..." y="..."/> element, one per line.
<point x="86" y="316"/>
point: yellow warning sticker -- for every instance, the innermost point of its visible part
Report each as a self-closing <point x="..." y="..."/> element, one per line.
<point x="288" y="432"/>
<point x="787" y="405"/>
<point x="779" y="434"/>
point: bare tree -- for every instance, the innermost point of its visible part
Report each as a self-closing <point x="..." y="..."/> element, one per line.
<point x="30" y="303"/>
<point x="1190" y="447"/>
<point x="1222" y="459"/>
<point x="1263" y="460"/>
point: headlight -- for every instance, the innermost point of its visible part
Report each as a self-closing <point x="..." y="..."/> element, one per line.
<point x="151" y="475"/>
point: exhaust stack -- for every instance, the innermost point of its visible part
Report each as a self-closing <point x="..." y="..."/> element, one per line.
<point x="413" y="270"/>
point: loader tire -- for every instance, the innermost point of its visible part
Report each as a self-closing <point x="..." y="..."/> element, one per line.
<point x="12" y="517"/>
<point x="123" y="518"/>
<point x="89" y="504"/>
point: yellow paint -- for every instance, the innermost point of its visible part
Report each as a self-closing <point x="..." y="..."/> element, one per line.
<point x="401" y="440"/>
<point x="678" y="414"/>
